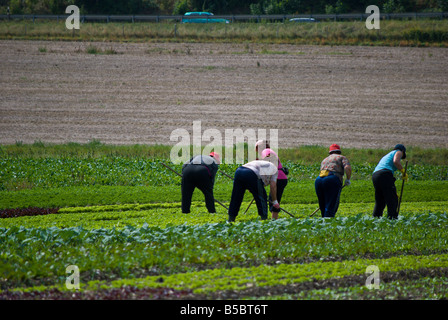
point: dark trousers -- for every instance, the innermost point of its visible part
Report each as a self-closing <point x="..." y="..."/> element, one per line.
<point x="281" y="185"/>
<point x="197" y="176"/>
<point x="328" y="191"/>
<point x="246" y="179"/>
<point x="385" y="194"/>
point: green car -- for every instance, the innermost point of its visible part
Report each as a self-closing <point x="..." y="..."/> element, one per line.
<point x="202" y="17"/>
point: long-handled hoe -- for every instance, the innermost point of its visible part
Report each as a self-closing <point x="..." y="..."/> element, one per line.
<point x="181" y="177"/>
<point x="402" y="186"/>
<point x="254" y="198"/>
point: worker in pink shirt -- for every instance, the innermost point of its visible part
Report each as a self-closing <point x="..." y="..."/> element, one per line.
<point x="263" y="150"/>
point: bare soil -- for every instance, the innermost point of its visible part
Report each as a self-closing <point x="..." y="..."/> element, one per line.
<point x="362" y="97"/>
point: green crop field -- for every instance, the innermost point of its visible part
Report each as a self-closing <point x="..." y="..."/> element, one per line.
<point x="114" y="212"/>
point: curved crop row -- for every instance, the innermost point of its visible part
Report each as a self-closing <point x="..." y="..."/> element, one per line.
<point x="241" y="278"/>
<point x="422" y="288"/>
<point x="235" y="279"/>
<point x="31" y="211"/>
<point x="169" y="214"/>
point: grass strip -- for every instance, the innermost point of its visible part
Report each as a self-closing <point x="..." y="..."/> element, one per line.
<point x="421" y="32"/>
<point x="306" y="154"/>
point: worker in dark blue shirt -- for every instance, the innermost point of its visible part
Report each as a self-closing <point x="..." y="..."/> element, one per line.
<point x="199" y="172"/>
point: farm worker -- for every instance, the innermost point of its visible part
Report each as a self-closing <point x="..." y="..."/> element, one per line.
<point x="263" y="150"/>
<point x="254" y="176"/>
<point x="199" y="172"/>
<point x="328" y="184"/>
<point x="384" y="182"/>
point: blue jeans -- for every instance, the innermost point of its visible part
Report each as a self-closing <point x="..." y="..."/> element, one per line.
<point x="246" y="179"/>
<point x="281" y="185"/>
<point x="328" y="190"/>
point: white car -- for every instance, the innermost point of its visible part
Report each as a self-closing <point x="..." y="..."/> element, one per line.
<point x="303" y="20"/>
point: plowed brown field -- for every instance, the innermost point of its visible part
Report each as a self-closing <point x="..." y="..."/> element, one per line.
<point x="355" y="96"/>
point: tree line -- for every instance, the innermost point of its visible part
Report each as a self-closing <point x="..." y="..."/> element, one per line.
<point x="223" y="7"/>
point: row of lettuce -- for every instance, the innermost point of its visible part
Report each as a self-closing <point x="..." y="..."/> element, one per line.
<point x="39" y="256"/>
<point x="164" y="215"/>
<point x="211" y="280"/>
<point x="302" y="192"/>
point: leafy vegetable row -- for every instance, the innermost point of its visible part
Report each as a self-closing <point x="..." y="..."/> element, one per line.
<point x="225" y="279"/>
<point x="272" y="275"/>
<point x="31" y="211"/>
<point x="35" y="253"/>
<point x="425" y="288"/>
<point x="303" y="192"/>
<point x="169" y="214"/>
<point x="17" y="173"/>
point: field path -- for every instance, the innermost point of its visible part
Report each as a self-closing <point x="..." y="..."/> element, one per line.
<point x="355" y="96"/>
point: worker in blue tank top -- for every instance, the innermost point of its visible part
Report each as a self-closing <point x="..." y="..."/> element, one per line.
<point x="384" y="182"/>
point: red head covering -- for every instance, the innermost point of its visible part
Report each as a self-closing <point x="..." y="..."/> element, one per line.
<point x="334" y="147"/>
<point x="216" y="156"/>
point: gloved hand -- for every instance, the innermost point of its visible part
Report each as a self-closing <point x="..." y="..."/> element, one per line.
<point x="276" y="206"/>
<point x="347" y="182"/>
<point x="404" y="175"/>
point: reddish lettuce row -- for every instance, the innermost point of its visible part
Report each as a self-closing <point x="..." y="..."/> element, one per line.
<point x="123" y="293"/>
<point x="31" y="211"/>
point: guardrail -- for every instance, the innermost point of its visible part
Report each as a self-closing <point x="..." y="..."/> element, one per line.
<point x="233" y="18"/>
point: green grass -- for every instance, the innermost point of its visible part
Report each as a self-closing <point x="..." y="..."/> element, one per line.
<point x="92" y="149"/>
<point x="307" y="154"/>
<point x="422" y="32"/>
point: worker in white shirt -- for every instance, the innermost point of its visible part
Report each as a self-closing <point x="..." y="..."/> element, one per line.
<point x="254" y="176"/>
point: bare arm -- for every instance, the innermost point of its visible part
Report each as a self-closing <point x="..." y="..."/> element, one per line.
<point x="348" y="171"/>
<point x="273" y="189"/>
<point x="397" y="160"/>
